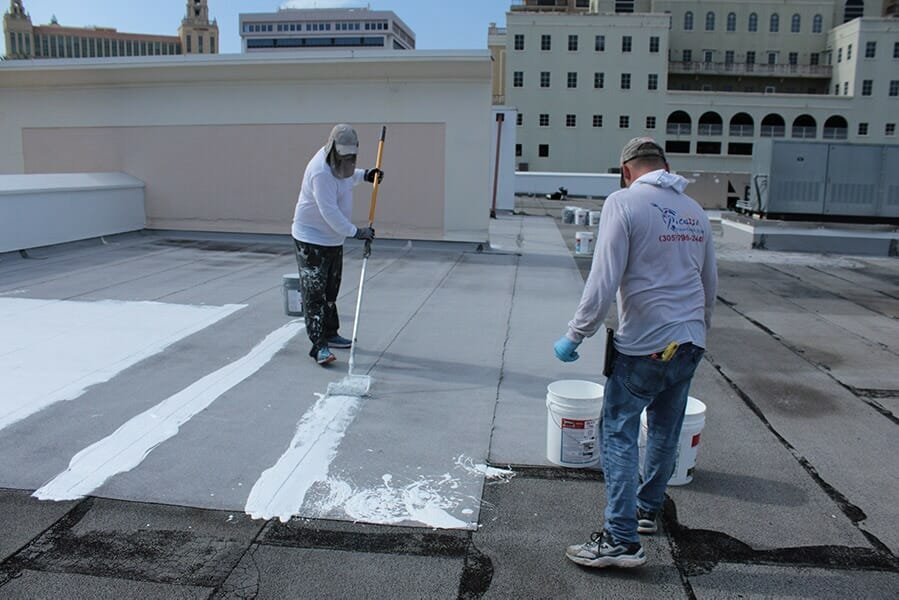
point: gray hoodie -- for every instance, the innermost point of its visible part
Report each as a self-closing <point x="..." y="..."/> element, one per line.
<point x="655" y="250"/>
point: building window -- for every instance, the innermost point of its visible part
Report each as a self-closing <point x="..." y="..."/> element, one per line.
<point x="731" y="21"/>
<point x="688" y="21"/>
<point x="710" y="21"/>
<point x="572" y="43"/>
<point x="653" y="44"/>
<point x="519" y="41"/>
<point x="597" y="120"/>
<point x="625" y="81"/>
<point x="795" y="22"/>
<point x="653" y="82"/>
<point x="836" y="89"/>
<point x="517" y="76"/>
<point x="772" y="58"/>
<point x="189" y="47"/>
<point x="870" y="49"/>
<point x="849" y="52"/>
<point x="626" y="42"/>
<point x="544" y="79"/>
<point x="599" y="80"/>
<point x="894" y="87"/>
<point x="750" y="57"/>
<point x="708" y="56"/>
<point x="729" y="57"/>
<point x="546" y="43"/>
<point x="889" y="130"/>
<point x="650" y="122"/>
<point x="817" y="24"/>
<point x="793" y="58"/>
<point x="570" y="120"/>
<point x="753" y="22"/>
<point x="572" y="80"/>
<point x="688" y="56"/>
<point x="519" y="119"/>
<point x="624" y="122"/>
<point x="708" y="147"/>
<point x="845" y="88"/>
<point x="544" y="120"/>
<point x="543" y="150"/>
<point x="867" y="87"/>
<point x="774" y="25"/>
<point x="839" y="55"/>
<point x="518" y="150"/>
<point x="863" y="129"/>
<point x="600" y="43"/>
<point x="814" y="59"/>
<point x="895" y="49"/>
<point x="853" y="9"/>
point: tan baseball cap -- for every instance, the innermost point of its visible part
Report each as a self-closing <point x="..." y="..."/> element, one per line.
<point x="642" y="147"/>
<point x="344" y="138"/>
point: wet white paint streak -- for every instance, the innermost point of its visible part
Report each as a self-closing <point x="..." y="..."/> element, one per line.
<point x="53" y="350"/>
<point x="281" y="489"/>
<point x="133" y="441"/>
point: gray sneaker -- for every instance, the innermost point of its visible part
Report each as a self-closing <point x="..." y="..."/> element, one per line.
<point x="603" y="551"/>
<point x="646" y="521"/>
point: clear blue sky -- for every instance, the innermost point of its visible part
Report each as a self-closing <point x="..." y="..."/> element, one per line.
<point x="438" y="24"/>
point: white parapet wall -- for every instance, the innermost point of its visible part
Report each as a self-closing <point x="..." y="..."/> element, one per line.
<point x="45" y="209"/>
<point x="595" y="185"/>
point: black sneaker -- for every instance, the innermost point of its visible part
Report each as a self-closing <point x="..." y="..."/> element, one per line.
<point x="338" y="341"/>
<point x="646" y="521"/>
<point x="603" y="551"/>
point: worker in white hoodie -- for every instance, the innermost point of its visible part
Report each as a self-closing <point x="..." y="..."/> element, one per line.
<point x="655" y="251"/>
<point x="321" y="224"/>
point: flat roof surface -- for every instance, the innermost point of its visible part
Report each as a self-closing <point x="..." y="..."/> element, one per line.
<point x="155" y="390"/>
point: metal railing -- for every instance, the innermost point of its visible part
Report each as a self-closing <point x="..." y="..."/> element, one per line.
<point x="710" y="129"/>
<point x="742" y="130"/>
<point x="805" y="132"/>
<point x="835" y="133"/>
<point x="772" y="131"/>
<point x="721" y="68"/>
<point x="678" y="129"/>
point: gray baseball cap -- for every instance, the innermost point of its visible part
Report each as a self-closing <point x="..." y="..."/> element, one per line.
<point x="344" y="138"/>
<point x="642" y="147"/>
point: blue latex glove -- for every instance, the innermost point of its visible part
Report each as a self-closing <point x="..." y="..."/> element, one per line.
<point x="566" y="350"/>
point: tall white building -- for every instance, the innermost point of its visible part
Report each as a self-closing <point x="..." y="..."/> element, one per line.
<point x="706" y="78"/>
<point x="319" y="29"/>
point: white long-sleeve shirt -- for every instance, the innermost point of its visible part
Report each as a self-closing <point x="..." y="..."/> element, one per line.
<point x="324" y="206"/>
<point x="655" y="250"/>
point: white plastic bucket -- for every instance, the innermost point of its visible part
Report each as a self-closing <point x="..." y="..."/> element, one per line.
<point x="583" y="242"/>
<point x="687" y="445"/>
<point x="568" y="215"/>
<point x="573" y="411"/>
<point x="581" y="216"/>
<point x="594" y="218"/>
<point x="293" y="298"/>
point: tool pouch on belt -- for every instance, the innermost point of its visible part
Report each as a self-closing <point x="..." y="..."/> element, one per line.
<point x="610" y="352"/>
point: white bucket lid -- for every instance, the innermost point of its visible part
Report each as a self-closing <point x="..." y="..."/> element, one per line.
<point x="694" y="407"/>
<point x="575" y="389"/>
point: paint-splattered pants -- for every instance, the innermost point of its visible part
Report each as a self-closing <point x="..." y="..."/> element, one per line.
<point x="321" y="268"/>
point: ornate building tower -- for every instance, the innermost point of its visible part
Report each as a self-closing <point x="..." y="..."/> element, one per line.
<point x="18" y="31"/>
<point x="198" y="34"/>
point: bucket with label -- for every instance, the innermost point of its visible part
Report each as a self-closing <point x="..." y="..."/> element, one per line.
<point x="581" y="216"/>
<point x="573" y="411"/>
<point x="293" y="299"/>
<point x="568" y="214"/>
<point x="583" y="242"/>
<point x="594" y="218"/>
<point x="687" y="445"/>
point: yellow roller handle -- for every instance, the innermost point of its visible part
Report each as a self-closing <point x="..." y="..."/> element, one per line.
<point x="376" y="184"/>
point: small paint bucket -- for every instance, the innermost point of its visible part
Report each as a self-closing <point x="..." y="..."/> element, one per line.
<point x="573" y="411"/>
<point x="293" y="299"/>
<point x="581" y="216"/>
<point x="594" y="218"/>
<point x="583" y="242"/>
<point x="687" y="445"/>
<point x="568" y="214"/>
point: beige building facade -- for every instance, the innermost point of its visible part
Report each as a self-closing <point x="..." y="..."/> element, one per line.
<point x="707" y="78"/>
<point x="24" y="40"/>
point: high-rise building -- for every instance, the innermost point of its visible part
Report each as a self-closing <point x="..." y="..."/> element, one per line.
<point x="320" y="29"/>
<point x="707" y="78"/>
<point x="197" y="35"/>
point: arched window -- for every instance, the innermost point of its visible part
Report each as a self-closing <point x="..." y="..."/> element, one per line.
<point x="679" y="123"/>
<point x="710" y="21"/>
<point x="710" y="123"/>
<point x="836" y="128"/>
<point x="817" y="24"/>
<point x="775" y="23"/>
<point x="731" y="21"/>
<point x="753" y="22"/>
<point x="773" y="125"/>
<point x="688" y="21"/>
<point x="853" y="9"/>
<point x="805" y="127"/>
<point x="794" y="23"/>
<point x="742" y="125"/>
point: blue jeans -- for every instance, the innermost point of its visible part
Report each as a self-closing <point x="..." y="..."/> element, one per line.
<point x="660" y="387"/>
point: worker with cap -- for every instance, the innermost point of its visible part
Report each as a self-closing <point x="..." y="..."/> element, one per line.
<point x="321" y="224"/>
<point x="655" y="252"/>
